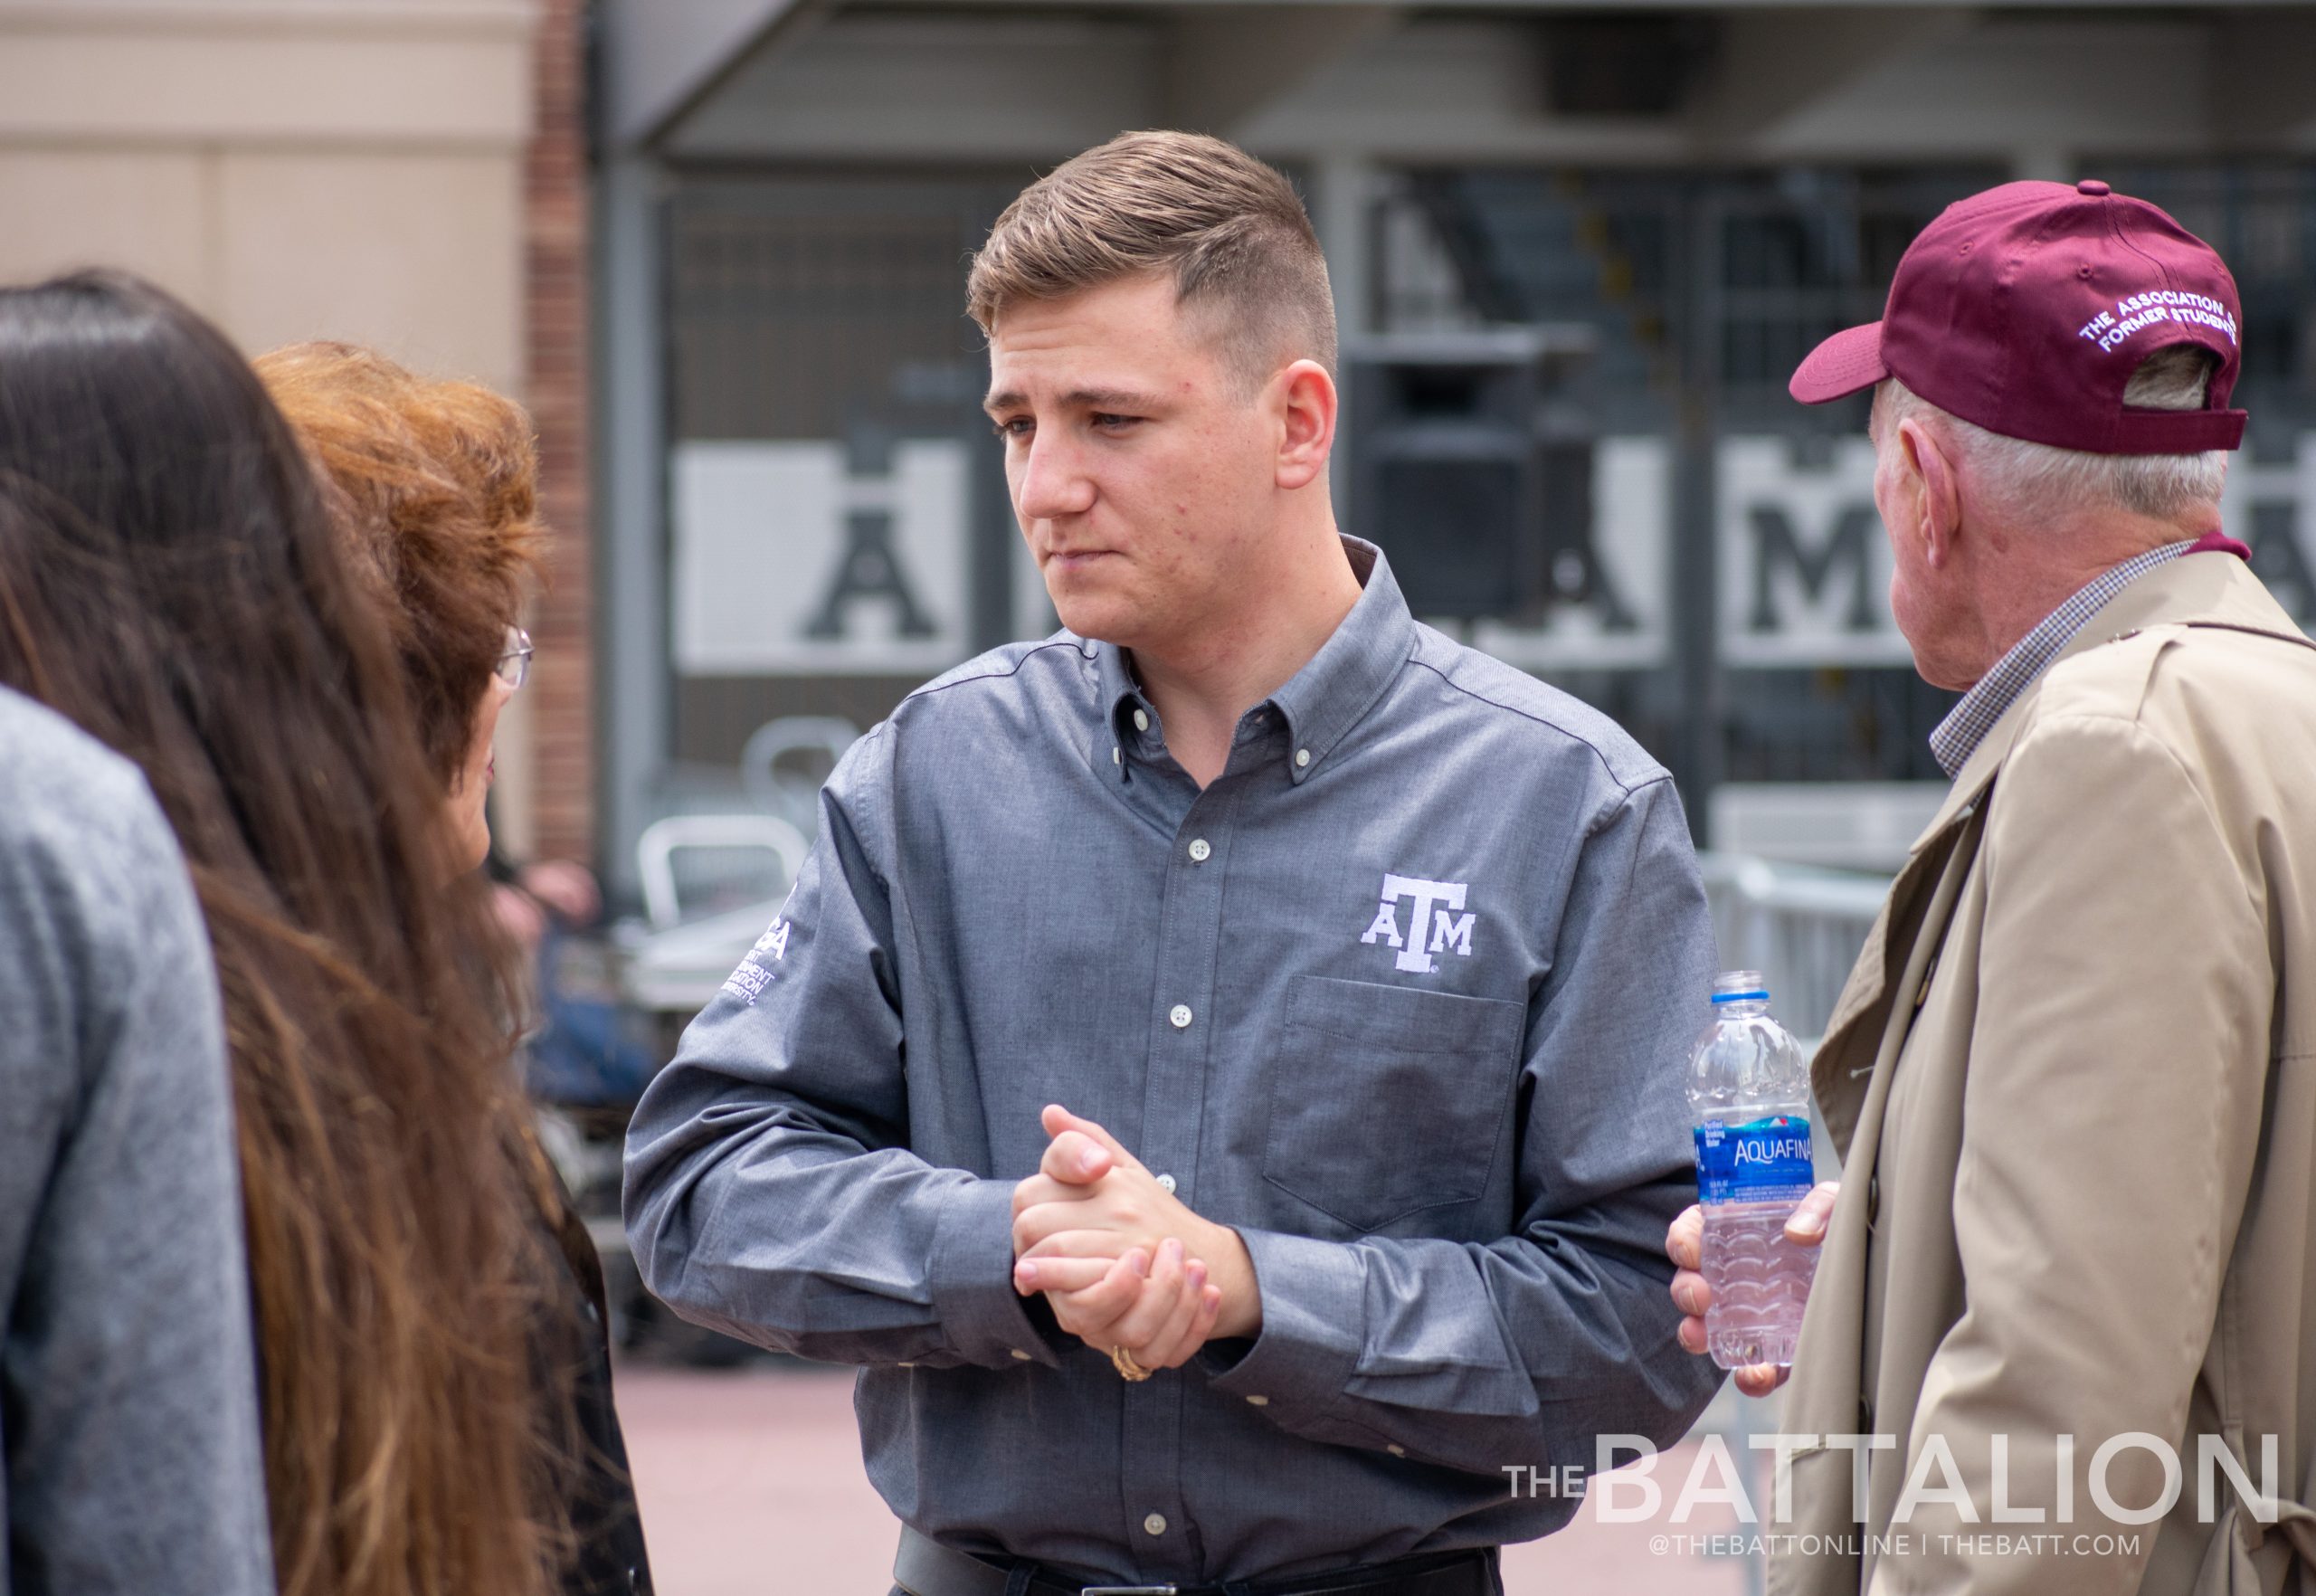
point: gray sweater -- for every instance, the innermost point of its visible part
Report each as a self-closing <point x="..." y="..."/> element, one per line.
<point x="129" y="1417"/>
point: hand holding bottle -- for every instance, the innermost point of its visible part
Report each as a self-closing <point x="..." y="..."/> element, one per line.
<point x="1684" y="1244"/>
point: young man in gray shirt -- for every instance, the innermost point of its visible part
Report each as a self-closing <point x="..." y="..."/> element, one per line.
<point x="133" y="1465"/>
<point x="1247" y="987"/>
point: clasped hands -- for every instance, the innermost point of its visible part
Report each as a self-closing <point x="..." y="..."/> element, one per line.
<point x="1124" y="1262"/>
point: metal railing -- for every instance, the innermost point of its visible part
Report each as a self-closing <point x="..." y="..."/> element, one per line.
<point x="1799" y="925"/>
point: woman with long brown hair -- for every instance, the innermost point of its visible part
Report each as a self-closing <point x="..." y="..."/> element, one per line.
<point x="433" y="485"/>
<point x="174" y="584"/>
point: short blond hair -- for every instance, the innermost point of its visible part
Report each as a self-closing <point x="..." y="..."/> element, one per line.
<point x="1231" y="231"/>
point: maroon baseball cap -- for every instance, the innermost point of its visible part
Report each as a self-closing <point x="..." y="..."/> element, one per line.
<point x="2026" y="310"/>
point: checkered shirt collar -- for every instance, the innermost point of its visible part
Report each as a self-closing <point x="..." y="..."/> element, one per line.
<point x="1965" y="727"/>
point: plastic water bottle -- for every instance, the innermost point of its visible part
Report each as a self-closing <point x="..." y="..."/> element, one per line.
<point x="1749" y="1097"/>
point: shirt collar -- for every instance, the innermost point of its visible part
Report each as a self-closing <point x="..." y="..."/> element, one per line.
<point x="1334" y="692"/>
<point x="1967" y="723"/>
<point x="1325" y="699"/>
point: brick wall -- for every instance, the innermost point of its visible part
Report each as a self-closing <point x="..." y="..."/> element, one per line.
<point x="561" y="686"/>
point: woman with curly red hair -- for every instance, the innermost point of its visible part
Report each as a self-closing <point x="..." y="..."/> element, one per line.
<point x="433" y="485"/>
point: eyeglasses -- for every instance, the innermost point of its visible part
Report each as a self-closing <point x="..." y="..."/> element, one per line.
<point x="514" y="666"/>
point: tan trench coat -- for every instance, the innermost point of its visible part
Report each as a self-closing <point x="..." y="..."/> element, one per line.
<point x="2074" y="1073"/>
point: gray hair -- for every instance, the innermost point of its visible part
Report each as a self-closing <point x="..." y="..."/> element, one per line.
<point x="2036" y="481"/>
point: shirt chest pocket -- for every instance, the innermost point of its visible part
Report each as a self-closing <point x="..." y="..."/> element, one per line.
<point x="1386" y="1100"/>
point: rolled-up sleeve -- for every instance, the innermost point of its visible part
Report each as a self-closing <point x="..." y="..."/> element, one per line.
<point x="769" y="1190"/>
<point x="1523" y="1350"/>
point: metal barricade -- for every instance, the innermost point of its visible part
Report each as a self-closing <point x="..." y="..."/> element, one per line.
<point x="767" y="766"/>
<point x="1799" y="925"/>
<point x="744" y="860"/>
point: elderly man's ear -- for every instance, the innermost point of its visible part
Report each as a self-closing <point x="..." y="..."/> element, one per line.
<point x="1933" y="493"/>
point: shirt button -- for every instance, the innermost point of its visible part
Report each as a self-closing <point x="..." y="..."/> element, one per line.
<point x="1180" y="1016"/>
<point x="1302" y="757"/>
<point x="1020" y="1355"/>
<point x="1395" y="1450"/>
<point x="1166" y="1182"/>
<point x="1258" y="1402"/>
<point x="1141" y="721"/>
<point x="1155" y="1524"/>
<point x="1200" y="849"/>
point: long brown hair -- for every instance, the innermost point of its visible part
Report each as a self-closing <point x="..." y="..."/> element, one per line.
<point x="169" y="579"/>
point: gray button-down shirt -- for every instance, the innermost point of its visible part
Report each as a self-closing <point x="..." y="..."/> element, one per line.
<point x="1405" y="996"/>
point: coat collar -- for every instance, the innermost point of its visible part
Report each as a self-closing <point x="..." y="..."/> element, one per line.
<point x="2210" y="586"/>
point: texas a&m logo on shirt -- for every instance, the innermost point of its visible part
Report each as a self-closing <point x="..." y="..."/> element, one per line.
<point x="1433" y="925"/>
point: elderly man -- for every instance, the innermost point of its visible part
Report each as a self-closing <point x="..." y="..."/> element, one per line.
<point x="2063" y="1331"/>
<point x="1220" y="1071"/>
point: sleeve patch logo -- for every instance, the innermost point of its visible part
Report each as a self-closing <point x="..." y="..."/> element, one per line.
<point x="747" y="983"/>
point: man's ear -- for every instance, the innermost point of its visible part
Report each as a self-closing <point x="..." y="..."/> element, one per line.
<point x="1304" y="401"/>
<point x="1936" y="491"/>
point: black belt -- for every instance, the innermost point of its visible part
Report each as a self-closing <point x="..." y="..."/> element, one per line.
<point x="923" y="1567"/>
